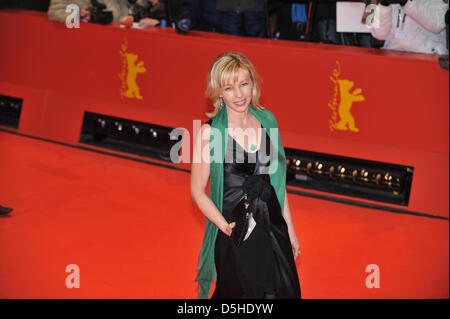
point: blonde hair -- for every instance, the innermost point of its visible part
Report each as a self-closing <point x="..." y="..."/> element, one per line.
<point x="225" y="67"/>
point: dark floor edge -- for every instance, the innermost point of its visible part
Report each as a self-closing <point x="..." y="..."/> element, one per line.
<point x="85" y="148"/>
<point x="289" y="190"/>
<point x="364" y="205"/>
<point x="131" y="158"/>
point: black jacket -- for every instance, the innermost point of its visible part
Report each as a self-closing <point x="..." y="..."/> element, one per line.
<point x="240" y="5"/>
<point x="202" y="12"/>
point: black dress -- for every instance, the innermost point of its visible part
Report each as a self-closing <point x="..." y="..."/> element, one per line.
<point x="263" y="266"/>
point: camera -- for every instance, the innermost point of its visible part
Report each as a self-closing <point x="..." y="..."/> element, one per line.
<point x="98" y="13"/>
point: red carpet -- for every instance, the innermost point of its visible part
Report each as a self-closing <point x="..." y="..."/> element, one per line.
<point x="134" y="231"/>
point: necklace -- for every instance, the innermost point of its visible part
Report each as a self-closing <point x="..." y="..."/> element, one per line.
<point x="253" y="147"/>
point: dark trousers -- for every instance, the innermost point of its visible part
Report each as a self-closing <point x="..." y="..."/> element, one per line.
<point x="251" y="24"/>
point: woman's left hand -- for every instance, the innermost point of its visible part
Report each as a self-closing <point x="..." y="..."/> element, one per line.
<point x="147" y="22"/>
<point x="290" y="226"/>
<point x="295" y="244"/>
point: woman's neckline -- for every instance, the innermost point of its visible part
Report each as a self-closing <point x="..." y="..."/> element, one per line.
<point x="260" y="141"/>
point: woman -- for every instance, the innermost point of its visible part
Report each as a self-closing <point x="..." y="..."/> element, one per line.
<point x="246" y="261"/>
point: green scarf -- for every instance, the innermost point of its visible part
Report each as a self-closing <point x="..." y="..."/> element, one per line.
<point x="206" y="266"/>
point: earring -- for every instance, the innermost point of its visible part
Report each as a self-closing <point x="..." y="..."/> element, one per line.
<point x="222" y="102"/>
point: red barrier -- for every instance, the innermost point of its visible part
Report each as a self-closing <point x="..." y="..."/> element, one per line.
<point x="398" y="101"/>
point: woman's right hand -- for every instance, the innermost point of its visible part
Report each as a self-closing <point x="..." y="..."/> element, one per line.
<point x="228" y="228"/>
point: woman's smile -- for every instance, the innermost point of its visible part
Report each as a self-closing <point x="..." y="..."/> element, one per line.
<point x="240" y="103"/>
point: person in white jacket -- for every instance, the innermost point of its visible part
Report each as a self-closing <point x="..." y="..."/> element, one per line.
<point x="412" y="25"/>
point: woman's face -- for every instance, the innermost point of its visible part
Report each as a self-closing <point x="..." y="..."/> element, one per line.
<point x="238" y="95"/>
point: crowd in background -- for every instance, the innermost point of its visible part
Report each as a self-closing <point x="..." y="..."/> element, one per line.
<point x="405" y="25"/>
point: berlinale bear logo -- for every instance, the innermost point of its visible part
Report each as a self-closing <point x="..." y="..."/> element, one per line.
<point x="347" y="97"/>
<point x="130" y="70"/>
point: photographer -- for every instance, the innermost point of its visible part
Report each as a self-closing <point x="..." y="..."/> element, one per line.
<point x="412" y="25"/>
<point x="242" y="17"/>
<point x="57" y="9"/>
<point x="196" y="15"/>
<point x="148" y="13"/>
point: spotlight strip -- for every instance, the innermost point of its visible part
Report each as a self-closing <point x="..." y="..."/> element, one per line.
<point x="128" y="136"/>
<point x="10" y="110"/>
<point x="383" y="182"/>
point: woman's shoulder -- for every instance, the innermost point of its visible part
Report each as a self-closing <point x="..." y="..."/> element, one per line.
<point x="205" y="129"/>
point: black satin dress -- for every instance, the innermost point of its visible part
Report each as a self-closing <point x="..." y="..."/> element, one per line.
<point x="263" y="266"/>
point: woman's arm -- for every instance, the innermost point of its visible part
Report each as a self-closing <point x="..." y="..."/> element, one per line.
<point x="291" y="230"/>
<point x="385" y="22"/>
<point x="429" y="14"/>
<point x="199" y="180"/>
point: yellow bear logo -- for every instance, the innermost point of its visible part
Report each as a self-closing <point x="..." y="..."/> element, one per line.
<point x="130" y="70"/>
<point x="347" y="121"/>
<point x="342" y="87"/>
